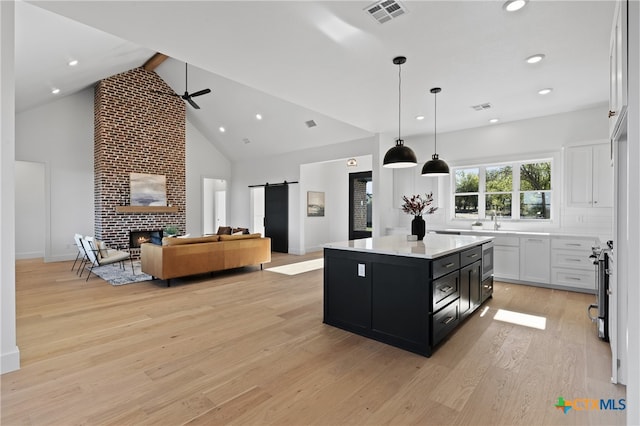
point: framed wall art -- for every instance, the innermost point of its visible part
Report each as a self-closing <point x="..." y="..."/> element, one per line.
<point x="315" y="203"/>
<point x="148" y="190"/>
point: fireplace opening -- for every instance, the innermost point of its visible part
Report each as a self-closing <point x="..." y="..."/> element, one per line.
<point x="137" y="238"/>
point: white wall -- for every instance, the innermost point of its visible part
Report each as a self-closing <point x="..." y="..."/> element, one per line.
<point x="526" y="139"/>
<point x="203" y="160"/>
<point x="278" y="169"/>
<point x="9" y="352"/>
<point x="30" y="202"/>
<point x="332" y="178"/>
<point x="60" y="135"/>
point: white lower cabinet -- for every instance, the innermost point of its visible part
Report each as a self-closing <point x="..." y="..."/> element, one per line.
<point x="571" y="265"/>
<point x="534" y="260"/>
<point x="506" y="258"/>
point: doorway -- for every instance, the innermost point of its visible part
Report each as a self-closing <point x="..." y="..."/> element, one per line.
<point x="360" y="205"/>
<point x="214" y="205"/>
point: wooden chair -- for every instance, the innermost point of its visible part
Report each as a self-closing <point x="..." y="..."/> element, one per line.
<point x="100" y="255"/>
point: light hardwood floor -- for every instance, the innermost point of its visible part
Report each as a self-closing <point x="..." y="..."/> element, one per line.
<point x="249" y="347"/>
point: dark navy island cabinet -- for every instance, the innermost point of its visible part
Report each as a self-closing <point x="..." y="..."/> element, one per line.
<point x="409" y="302"/>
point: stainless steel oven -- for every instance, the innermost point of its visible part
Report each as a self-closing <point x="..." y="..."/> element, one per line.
<point x="601" y="258"/>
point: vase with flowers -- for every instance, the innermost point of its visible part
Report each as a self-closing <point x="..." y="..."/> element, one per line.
<point x="418" y="205"/>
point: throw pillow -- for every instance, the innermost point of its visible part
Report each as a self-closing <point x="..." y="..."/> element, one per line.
<point x="224" y="230"/>
<point x="102" y="249"/>
<point x="237" y="233"/>
<point x="241" y="230"/>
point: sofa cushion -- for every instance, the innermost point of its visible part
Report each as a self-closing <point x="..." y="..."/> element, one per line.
<point x="191" y="240"/>
<point x="239" y="237"/>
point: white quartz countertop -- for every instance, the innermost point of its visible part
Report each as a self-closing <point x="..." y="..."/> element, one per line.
<point x="431" y="247"/>
<point x="510" y="233"/>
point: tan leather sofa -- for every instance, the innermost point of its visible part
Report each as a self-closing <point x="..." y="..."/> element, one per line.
<point x="179" y="257"/>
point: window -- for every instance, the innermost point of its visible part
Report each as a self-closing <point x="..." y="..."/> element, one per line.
<point x="467" y="193"/>
<point x="519" y="190"/>
<point x="535" y="190"/>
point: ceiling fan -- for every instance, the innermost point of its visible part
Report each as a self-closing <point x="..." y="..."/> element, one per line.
<point x="187" y="96"/>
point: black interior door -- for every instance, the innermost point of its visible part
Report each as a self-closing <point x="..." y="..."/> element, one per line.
<point x="360" y="205"/>
<point x="276" y="216"/>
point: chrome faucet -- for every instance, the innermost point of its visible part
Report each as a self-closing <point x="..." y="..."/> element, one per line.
<point x="496" y="224"/>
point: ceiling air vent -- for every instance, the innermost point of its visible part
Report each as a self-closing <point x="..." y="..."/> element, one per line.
<point x="385" y="10"/>
<point x="481" y="107"/>
<point x="310" y="123"/>
<point x="246" y="140"/>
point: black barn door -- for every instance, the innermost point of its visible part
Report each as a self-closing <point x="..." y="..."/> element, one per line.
<point x="276" y="216"/>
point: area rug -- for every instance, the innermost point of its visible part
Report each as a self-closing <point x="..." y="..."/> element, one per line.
<point x="115" y="275"/>
<point x="298" y="268"/>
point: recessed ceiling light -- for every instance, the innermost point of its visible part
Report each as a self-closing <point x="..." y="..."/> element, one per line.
<point x="73" y="63"/>
<point x="513" y="5"/>
<point x="545" y="91"/>
<point x="419" y="117"/>
<point x="222" y="129"/>
<point x="258" y="116"/>
<point x="534" y="59"/>
<point x="494" y="120"/>
<point x="55" y="90"/>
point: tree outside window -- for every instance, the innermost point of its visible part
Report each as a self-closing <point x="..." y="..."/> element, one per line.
<point x="467" y="193"/>
<point x="520" y="190"/>
<point x="535" y="190"/>
<point x="499" y="189"/>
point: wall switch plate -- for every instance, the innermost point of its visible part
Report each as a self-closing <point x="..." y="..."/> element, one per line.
<point x="361" y="270"/>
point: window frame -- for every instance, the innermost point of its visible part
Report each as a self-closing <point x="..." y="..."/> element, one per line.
<point x="515" y="192"/>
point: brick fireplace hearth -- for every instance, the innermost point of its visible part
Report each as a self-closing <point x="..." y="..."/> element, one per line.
<point x="136" y="131"/>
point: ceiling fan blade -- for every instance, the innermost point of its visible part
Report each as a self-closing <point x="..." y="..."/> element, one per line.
<point x="193" y="104"/>
<point x="201" y="92"/>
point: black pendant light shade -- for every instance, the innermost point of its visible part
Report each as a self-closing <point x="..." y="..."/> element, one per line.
<point x="399" y="156"/>
<point x="435" y="166"/>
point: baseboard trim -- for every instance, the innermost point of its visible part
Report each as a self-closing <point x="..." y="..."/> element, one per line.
<point x="10" y="361"/>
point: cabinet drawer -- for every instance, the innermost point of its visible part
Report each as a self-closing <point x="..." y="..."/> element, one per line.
<point x="445" y="265"/>
<point x="573" y="244"/>
<point x="585" y="280"/>
<point x="506" y="241"/>
<point x="445" y="321"/>
<point x="467" y="257"/>
<point x="572" y="259"/>
<point x="445" y="290"/>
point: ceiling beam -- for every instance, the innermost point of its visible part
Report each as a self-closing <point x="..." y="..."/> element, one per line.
<point x="154" y="61"/>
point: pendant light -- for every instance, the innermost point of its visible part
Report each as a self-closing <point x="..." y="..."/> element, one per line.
<point x="399" y="156"/>
<point x="435" y="166"/>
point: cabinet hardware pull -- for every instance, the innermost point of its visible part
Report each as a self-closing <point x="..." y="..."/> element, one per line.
<point x="449" y="265"/>
<point x="612" y="114"/>
<point x="574" y="244"/>
<point x="574" y="278"/>
<point x="573" y="260"/>
<point x="448" y="320"/>
<point x="473" y="255"/>
<point x="445" y="289"/>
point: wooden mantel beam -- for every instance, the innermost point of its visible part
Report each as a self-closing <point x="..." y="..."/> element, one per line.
<point x="154" y="61"/>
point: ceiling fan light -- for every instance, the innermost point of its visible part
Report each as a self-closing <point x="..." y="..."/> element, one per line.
<point x="435" y="167"/>
<point x="399" y="157"/>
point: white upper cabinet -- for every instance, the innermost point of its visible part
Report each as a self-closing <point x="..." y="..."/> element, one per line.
<point x="618" y="68"/>
<point x="589" y="176"/>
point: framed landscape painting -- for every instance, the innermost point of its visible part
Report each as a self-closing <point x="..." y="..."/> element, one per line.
<point x="315" y="203"/>
<point x="148" y="190"/>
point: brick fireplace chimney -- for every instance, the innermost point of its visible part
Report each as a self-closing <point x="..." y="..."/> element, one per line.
<point x="136" y="131"/>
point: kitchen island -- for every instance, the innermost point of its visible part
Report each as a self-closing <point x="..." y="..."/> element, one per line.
<point x="409" y="294"/>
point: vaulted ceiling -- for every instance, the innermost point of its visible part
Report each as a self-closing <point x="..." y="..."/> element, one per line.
<point x="331" y="62"/>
